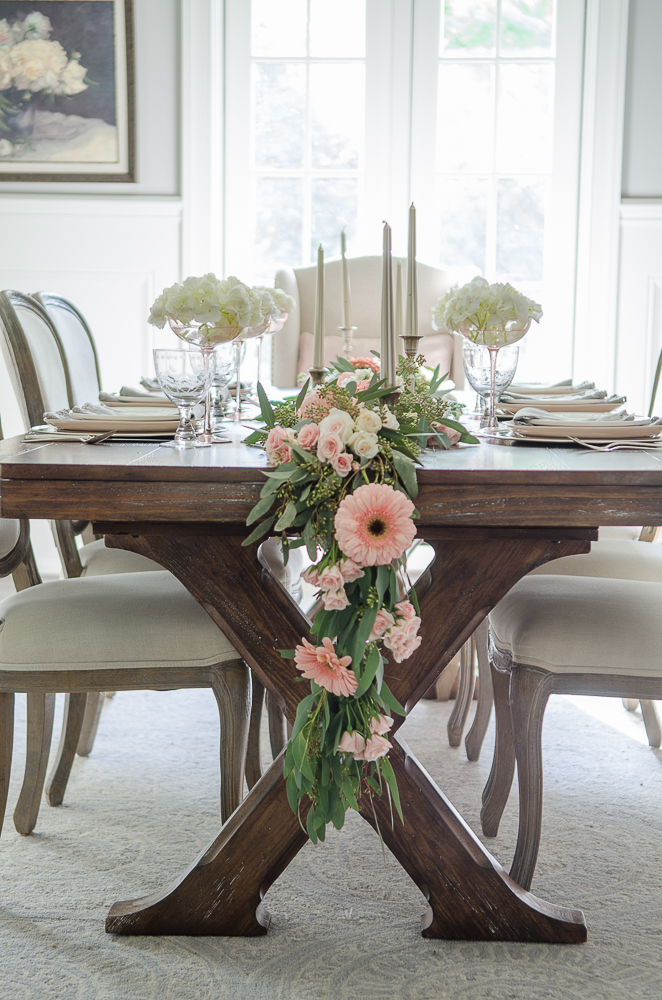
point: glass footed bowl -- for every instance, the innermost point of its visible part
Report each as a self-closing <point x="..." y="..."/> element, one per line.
<point x="498" y="335"/>
<point x="205" y="335"/>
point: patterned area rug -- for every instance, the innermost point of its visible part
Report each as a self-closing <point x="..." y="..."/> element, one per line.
<point x="345" y="919"/>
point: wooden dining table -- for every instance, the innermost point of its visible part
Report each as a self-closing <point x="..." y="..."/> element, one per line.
<point x="491" y="514"/>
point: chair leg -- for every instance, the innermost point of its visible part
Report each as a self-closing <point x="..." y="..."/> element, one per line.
<point x="465" y="691"/>
<point x="476" y="734"/>
<point x="253" y="761"/>
<point x="529" y="691"/>
<point x="40" y="730"/>
<point x="93" y="707"/>
<point x="499" y="783"/>
<point x="6" y="747"/>
<point x="232" y="687"/>
<point x="652" y="723"/>
<point x="74" y="713"/>
<point x="630" y="704"/>
<point x="277" y="730"/>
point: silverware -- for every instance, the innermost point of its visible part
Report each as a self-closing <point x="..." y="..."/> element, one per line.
<point x="98" y="438"/>
<point x="633" y="444"/>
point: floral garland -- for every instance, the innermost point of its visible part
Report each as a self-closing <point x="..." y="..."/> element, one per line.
<point x="344" y="481"/>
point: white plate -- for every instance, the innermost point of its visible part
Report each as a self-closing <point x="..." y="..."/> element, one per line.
<point x="581" y="406"/>
<point x="588" y="432"/>
<point x="121" y="425"/>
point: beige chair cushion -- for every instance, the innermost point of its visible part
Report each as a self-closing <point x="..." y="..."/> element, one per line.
<point x="572" y="624"/>
<point x="97" y="560"/>
<point x="9" y="535"/>
<point x="611" y="559"/>
<point x="121" y="621"/>
<point x="618" y="533"/>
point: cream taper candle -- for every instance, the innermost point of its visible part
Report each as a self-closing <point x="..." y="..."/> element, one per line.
<point x="318" y="333"/>
<point x="411" y="309"/>
<point x="388" y="348"/>
<point x="398" y="302"/>
<point x="346" y="299"/>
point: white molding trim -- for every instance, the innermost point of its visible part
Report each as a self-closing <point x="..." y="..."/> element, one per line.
<point x="600" y="190"/>
<point x="49" y="204"/>
<point x="641" y="210"/>
<point x="653" y="330"/>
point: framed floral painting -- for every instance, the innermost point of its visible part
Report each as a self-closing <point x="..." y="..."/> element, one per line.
<point x="67" y="103"/>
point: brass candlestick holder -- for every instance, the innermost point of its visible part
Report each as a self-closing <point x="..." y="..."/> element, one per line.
<point x="347" y="333"/>
<point x="410" y="342"/>
<point x="317" y="376"/>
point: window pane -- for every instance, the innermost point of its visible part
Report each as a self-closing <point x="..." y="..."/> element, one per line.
<point x="525" y="118"/>
<point x="279" y="115"/>
<point x="468" y="27"/>
<point x="279" y="27"/>
<point x="520" y="229"/>
<point x="526" y="26"/>
<point x="463" y="221"/>
<point x="278" y="211"/>
<point x="337" y="95"/>
<point x="337" y="29"/>
<point x="335" y="203"/>
<point x="465" y="117"/>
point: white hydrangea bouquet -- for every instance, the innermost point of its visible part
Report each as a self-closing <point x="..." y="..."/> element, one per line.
<point x="489" y="315"/>
<point x="31" y="63"/>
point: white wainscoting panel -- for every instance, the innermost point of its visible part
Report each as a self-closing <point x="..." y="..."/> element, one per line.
<point x="639" y="338"/>
<point x="111" y="257"/>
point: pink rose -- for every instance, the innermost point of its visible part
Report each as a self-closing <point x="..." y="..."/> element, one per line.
<point x="375" y="747"/>
<point x="335" y="600"/>
<point x="380" y="725"/>
<point x="350" y="571"/>
<point x="383" y="621"/>
<point x="403" y="639"/>
<point x="405" y="609"/>
<point x="449" y="431"/>
<point x="356" y="466"/>
<point x="362" y="385"/>
<point x="343" y="464"/>
<point x="329" y="446"/>
<point x="312" y="401"/>
<point x="311" y="576"/>
<point x="308" y="435"/>
<point x="276" y="447"/>
<point x="352" y="743"/>
<point x="331" y="578"/>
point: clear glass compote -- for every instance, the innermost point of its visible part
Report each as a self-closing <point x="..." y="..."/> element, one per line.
<point x="494" y="338"/>
<point x="185" y="377"/>
<point x="226" y="367"/>
<point x="275" y="326"/>
<point x="206" y="336"/>
<point x="477" y="367"/>
<point x="248" y="334"/>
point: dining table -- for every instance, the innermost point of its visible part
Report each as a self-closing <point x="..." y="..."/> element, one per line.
<point x="491" y="513"/>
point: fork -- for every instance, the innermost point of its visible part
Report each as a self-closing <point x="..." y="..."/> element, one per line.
<point x="633" y="445"/>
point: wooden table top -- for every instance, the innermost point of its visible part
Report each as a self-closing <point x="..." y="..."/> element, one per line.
<point x="484" y="484"/>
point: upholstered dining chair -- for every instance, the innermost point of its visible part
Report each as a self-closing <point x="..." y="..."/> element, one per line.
<point x="125" y="632"/>
<point x="292" y="351"/>
<point x="556" y="634"/>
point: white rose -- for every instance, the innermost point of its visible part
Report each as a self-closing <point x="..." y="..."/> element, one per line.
<point x="6" y="148"/>
<point x="6" y="67"/>
<point x="364" y="444"/>
<point x="71" y="80"/>
<point x="38" y="64"/>
<point x="389" y="420"/>
<point x="338" y="422"/>
<point x="368" y="420"/>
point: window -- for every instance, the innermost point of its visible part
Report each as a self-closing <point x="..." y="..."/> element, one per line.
<point x="339" y="113"/>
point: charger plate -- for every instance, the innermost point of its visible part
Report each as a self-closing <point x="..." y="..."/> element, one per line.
<point x="589" y="432"/>
<point x="566" y="406"/>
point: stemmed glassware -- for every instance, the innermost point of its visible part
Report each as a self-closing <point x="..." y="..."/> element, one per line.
<point x="226" y="367"/>
<point x="185" y="377"/>
<point x="477" y="361"/>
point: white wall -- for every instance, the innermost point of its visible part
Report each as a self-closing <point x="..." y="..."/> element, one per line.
<point x="642" y="145"/>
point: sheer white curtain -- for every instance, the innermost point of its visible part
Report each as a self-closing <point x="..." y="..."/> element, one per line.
<point x="339" y="113"/>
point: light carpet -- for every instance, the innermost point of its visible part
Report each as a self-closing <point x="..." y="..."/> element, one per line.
<point x="345" y="921"/>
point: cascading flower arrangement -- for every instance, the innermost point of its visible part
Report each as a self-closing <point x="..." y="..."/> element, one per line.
<point x="344" y="481"/>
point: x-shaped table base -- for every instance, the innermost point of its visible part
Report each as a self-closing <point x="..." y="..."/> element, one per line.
<point x="469" y="895"/>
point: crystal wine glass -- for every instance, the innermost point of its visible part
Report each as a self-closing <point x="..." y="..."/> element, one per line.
<point x="477" y="366"/>
<point x="185" y="377"/>
<point x="226" y="367"/>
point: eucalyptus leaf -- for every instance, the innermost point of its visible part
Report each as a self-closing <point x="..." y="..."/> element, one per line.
<point x="406" y="469"/>
<point x="260" y="508"/>
<point x="302" y="395"/>
<point x="287" y="517"/>
<point x="261" y="530"/>
<point x="368" y="675"/>
<point x="265" y="407"/>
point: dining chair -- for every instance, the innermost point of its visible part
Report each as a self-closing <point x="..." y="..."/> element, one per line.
<point x="558" y="634"/>
<point x="292" y="351"/>
<point x="126" y="632"/>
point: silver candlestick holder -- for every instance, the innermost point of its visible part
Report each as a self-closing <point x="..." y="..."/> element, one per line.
<point x="317" y="376"/>
<point x="347" y="334"/>
<point x="410" y="342"/>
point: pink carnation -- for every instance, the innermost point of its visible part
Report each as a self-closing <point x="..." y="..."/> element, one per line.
<point x="276" y="445"/>
<point x="308" y="435"/>
<point x="380" y="725"/>
<point x="374" y="525"/>
<point x="375" y="747"/>
<point x="323" y="666"/>
<point x="343" y="464"/>
<point x="329" y="446"/>
<point x="350" y="571"/>
<point x="352" y="743"/>
<point x="372" y="363"/>
<point x="383" y="621"/>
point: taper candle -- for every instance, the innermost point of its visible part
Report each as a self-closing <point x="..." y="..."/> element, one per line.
<point x="411" y="309"/>
<point x="398" y="302"/>
<point x="346" y="299"/>
<point x="388" y="349"/>
<point x="318" y="333"/>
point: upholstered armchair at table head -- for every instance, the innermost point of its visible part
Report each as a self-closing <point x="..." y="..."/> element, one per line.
<point x="292" y="349"/>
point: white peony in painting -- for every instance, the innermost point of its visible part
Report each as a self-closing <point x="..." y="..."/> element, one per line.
<point x="64" y="93"/>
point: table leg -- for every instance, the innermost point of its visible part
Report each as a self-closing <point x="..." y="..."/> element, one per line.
<point x="470" y="896"/>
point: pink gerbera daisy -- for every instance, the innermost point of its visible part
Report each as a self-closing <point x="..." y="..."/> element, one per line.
<point x="326" y="668"/>
<point x="374" y="525"/>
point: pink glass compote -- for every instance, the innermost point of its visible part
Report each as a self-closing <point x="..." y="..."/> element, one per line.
<point x="206" y="336"/>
